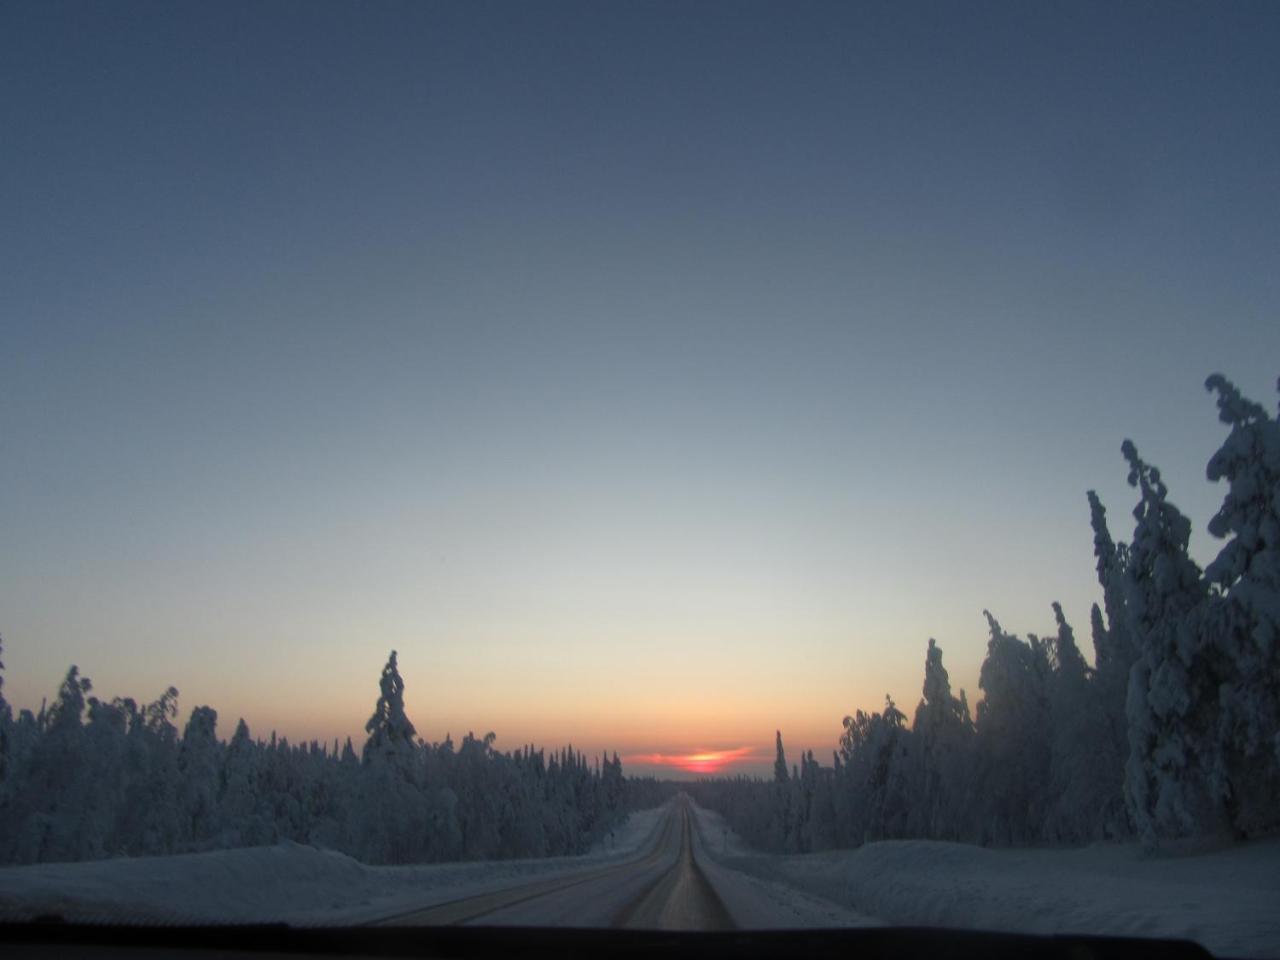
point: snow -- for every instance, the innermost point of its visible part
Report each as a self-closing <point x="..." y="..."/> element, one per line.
<point x="287" y="882"/>
<point x="1228" y="900"/>
<point x="755" y="902"/>
<point x="632" y="835"/>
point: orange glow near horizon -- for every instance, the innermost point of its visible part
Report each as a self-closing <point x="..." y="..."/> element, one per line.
<point x="704" y="761"/>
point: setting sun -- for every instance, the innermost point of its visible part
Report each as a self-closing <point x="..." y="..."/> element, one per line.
<point x="704" y="761"/>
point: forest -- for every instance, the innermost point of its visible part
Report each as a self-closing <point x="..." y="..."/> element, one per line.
<point x="1171" y="734"/>
<point x="86" y="778"/>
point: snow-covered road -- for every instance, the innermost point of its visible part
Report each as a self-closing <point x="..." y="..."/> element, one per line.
<point x="670" y="885"/>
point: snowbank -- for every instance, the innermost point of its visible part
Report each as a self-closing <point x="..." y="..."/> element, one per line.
<point x="756" y="903"/>
<point x="288" y="882"/>
<point x="1227" y="900"/>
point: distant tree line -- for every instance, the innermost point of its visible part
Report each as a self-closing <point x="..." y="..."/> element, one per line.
<point x="86" y="778"/>
<point x="1173" y="731"/>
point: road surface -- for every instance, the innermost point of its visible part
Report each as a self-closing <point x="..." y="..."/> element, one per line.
<point x="670" y="884"/>
<point x="662" y="887"/>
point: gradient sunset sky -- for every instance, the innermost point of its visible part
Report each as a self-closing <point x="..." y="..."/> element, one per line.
<point x="650" y="376"/>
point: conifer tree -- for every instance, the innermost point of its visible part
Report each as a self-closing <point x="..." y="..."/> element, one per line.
<point x="942" y="734"/>
<point x="390" y="730"/>
<point x="392" y="826"/>
<point x="198" y="763"/>
<point x="1113" y="645"/>
<point x="6" y="721"/>
<point x="1087" y="761"/>
<point x="1243" y="616"/>
<point x="1012" y="737"/>
<point x="1175" y="784"/>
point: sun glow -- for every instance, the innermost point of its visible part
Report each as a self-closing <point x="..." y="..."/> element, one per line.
<point x="704" y="761"/>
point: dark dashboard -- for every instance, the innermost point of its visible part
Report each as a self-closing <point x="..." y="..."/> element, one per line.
<point x="47" y="940"/>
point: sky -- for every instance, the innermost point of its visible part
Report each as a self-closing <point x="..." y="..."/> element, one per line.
<point x="650" y="376"/>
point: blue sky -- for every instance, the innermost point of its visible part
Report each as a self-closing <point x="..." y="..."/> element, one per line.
<point x="650" y="375"/>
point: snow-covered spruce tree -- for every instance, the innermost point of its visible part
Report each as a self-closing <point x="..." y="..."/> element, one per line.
<point x="521" y="829"/>
<point x="571" y="818"/>
<point x="6" y="740"/>
<point x="391" y="821"/>
<point x="897" y="743"/>
<point x="8" y="767"/>
<point x="24" y="734"/>
<point x="153" y="794"/>
<point x="6" y="720"/>
<point x="333" y="794"/>
<point x="293" y="789"/>
<point x="480" y="799"/>
<point x="112" y="769"/>
<point x="820" y="815"/>
<point x="942" y="761"/>
<point x="780" y="818"/>
<point x="67" y="772"/>
<point x="1067" y="659"/>
<point x="443" y="815"/>
<point x="391" y="733"/>
<point x="1114" y="648"/>
<point x="1242" y="620"/>
<point x="874" y="792"/>
<point x="1086" y="799"/>
<point x="198" y="762"/>
<point x="1113" y="645"/>
<point x="555" y="821"/>
<point x="780" y="760"/>
<point x="1176" y="783"/>
<point x="1013" y="752"/>
<point x="47" y="812"/>
<point x="116" y="764"/>
<point x="801" y="793"/>
<point x="614" y="786"/>
<point x="240" y="802"/>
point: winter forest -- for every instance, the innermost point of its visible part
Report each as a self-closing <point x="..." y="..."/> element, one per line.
<point x="1173" y="733"/>
<point x="85" y="779"/>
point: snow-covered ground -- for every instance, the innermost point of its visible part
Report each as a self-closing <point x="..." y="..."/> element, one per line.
<point x="288" y="882"/>
<point x="1227" y="900"/>
<point x="757" y="901"/>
